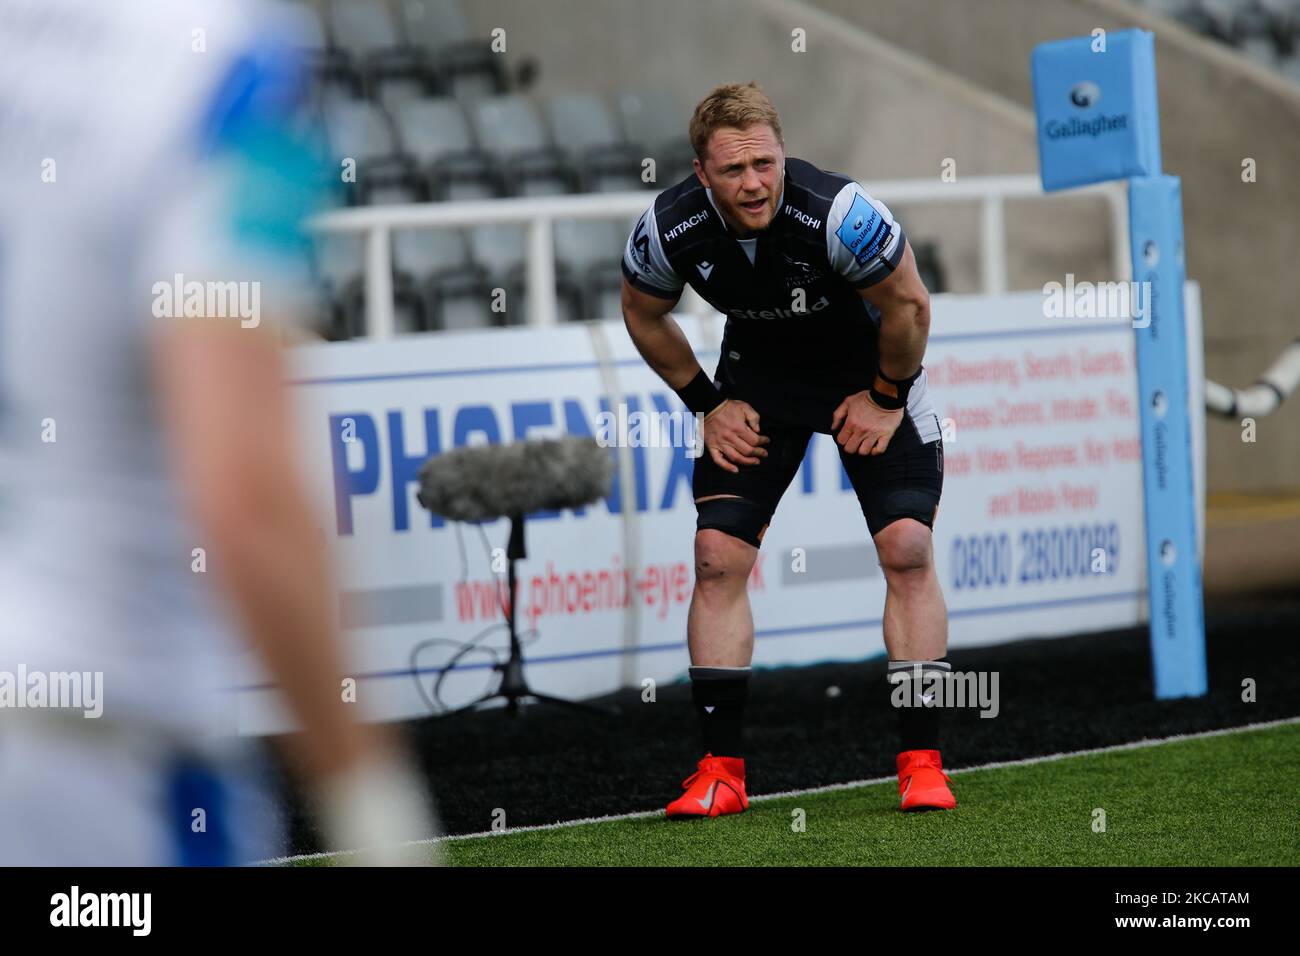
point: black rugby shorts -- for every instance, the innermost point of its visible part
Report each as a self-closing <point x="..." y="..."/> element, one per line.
<point x="905" y="481"/>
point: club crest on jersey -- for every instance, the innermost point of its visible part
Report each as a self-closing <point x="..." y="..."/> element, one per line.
<point x="864" y="231"/>
<point x="804" y="269"/>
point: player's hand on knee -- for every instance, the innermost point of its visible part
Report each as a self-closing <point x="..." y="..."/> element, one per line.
<point x="732" y="437"/>
<point x="867" y="428"/>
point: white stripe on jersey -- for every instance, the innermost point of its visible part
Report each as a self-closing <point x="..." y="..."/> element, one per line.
<point x="644" y="255"/>
<point x="921" y="410"/>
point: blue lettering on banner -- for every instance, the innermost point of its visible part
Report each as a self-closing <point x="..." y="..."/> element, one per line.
<point x="359" y="465"/>
<point x="347" y="482"/>
<point x="476" y="420"/>
<point x="864" y="231"/>
<point x="406" y="468"/>
<point x="1035" y="556"/>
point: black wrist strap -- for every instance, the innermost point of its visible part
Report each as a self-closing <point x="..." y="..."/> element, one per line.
<point x="895" y="391"/>
<point x="700" y="395"/>
<point x="906" y="381"/>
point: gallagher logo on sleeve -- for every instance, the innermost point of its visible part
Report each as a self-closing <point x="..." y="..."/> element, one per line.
<point x="863" y="230"/>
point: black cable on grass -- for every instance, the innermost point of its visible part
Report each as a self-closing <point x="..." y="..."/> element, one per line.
<point x="527" y="638"/>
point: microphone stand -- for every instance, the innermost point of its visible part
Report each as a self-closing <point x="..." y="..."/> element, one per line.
<point x="514" y="685"/>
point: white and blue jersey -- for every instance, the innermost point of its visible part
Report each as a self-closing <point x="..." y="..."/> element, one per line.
<point x="140" y="141"/>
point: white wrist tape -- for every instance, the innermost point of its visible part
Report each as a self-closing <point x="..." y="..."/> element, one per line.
<point x="379" y="809"/>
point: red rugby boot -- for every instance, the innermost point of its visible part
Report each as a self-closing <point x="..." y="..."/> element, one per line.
<point x="921" y="782"/>
<point x="717" y="787"/>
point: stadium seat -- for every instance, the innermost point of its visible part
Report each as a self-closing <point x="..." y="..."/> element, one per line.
<point x="338" y="86"/>
<point x="1251" y="24"/>
<point x="314" y="42"/>
<point x="604" y="286"/>
<point x="568" y="299"/>
<point x="589" y="251"/>
<point x="340" y="260"/>
<point x="508" y="128"/>
<point x="435" y="133"/>
<point x="425" y="261"/>
<point x="464" y="63"/>
<point x="1169" y="8"/>
<point x="582" y="243"/>
<point x="655" y="123"/>
<point x="424" y="253"/>
<point x="1220" y="15"/>
<point x="359" y="131"/>
<point x="324" y="318"/>
<point x="321" y="316"/>
<point x="1290" y="67"/>
<point x="1260" y="49"/>
<point x="545" y="185"/>
<point x="340" y="266"/>
<point x="340" y="269"/>
<point x="410" y="313"/>
<point x="417" y="256"/>
<point x="463" y="301"/>
<point x="928" y="266"/>
<point x="1285" y="15"/>
<point x="584" y="129"/>
<point x="330" y="66"/>
<point x="1266" y="31"/>
<point x="1195" y="19"/>
<point x="605" y="295"/>
<point x="366" y="31"/>
<point x="499" y="248"/>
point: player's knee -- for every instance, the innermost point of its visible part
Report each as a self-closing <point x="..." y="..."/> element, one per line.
<point x="737" y="517"/>
<point x="721" y="560"/>
<point x="905" y="548"/>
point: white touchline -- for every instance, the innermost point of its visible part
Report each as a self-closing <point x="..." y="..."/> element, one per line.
<point x="829" y="788"/>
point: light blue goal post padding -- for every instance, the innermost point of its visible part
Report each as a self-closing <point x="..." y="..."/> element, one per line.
<point x="1098" y="120"/>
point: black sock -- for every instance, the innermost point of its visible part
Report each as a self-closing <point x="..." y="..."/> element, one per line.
<point x="909" y="684"/>
<point x="720" y="694"/>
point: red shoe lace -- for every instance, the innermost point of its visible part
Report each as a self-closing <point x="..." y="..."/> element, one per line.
<point x="925" y="763"/>
<point x="695" y="776"/>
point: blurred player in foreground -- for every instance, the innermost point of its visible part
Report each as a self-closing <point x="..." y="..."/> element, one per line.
<point x="146" y="149"/>
<point x="827" y="323"/>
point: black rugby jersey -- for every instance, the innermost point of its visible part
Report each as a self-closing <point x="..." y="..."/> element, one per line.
<point x="828" y="238"/>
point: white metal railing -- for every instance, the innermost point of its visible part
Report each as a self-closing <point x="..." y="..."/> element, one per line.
<point x="376" y="224"/>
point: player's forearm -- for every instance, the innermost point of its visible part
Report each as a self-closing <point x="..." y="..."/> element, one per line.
<point x="272" y="564"/>
<point x="904" y="332"/>
<point x="663" y="345"/>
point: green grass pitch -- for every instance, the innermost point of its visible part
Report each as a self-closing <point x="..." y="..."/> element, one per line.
<point x="1227" y="800"/>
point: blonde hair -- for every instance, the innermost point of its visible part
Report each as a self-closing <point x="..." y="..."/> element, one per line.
<point x="733" y="104"/>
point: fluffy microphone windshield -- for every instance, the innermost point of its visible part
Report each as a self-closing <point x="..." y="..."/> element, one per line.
<point x="494" y="481"/>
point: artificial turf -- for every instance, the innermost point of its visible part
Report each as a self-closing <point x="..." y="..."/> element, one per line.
<point x="1229" y="800"/>
<point x="1057" y="695"/>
